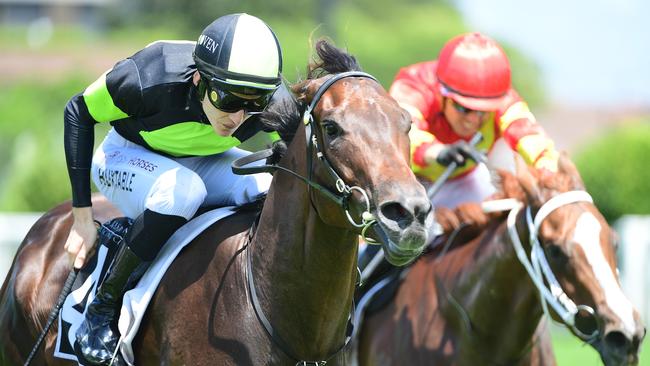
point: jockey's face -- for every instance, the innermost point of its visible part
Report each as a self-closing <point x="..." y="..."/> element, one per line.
<point x="464" y="122"/>
<point x="223" y="123"/>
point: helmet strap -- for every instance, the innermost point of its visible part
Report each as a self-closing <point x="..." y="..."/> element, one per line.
<point x="201" y="89"/>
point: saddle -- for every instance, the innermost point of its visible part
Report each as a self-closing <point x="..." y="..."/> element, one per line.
<point x="136" y="300"/>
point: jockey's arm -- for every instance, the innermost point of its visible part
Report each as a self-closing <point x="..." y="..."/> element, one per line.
<point x="78" y="141"/>
<point x="83" y="111"/>
<point x="413" y="89"/>
<point x="525" y="136"/>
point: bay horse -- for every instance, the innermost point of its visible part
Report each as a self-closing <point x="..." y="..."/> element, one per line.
<point x="280" y="293"/>
<point x="472" y="301"/>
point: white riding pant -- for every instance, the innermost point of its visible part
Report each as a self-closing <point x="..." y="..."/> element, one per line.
<point x="134" y="179"/>
<point x="477" y="185"/>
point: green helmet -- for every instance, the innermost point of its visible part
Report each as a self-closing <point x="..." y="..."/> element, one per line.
<point x="239" y="53"/>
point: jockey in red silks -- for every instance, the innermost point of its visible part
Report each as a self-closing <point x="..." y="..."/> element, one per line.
<point x="467" y="89"/>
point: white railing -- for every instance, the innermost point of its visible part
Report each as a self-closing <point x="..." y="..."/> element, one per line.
<point x="634" y="261"/>
<point x="13" y="227"/>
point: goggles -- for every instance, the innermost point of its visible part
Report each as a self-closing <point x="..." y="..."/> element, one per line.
<point x="464" y="110"/>
<point x="227" y="101"/>
<point x="457" y="106"/>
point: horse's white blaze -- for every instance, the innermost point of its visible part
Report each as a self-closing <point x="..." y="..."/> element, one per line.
<point x="587" y="235"/>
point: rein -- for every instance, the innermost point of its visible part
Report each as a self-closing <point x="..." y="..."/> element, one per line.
<point x="537" y="265"/>
<point x="341" y="198"/>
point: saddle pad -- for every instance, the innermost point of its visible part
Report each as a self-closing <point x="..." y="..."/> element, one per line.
<point x="136" y="300"/>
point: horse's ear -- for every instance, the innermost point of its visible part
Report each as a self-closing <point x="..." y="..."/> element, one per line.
<point x="528" y="182"/>
<point x="306" y="89"/>
<point x="508" y="186"/>
<point x="566" y="166"/>
<point x="300" y="90"/>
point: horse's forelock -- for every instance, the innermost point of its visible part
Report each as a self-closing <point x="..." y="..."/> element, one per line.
<point x="331" y="60"/>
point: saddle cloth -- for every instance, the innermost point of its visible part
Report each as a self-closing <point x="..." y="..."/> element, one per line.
<point x="136" y="300"/>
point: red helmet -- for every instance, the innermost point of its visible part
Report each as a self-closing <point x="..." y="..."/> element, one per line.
<point x="474" y="71"/>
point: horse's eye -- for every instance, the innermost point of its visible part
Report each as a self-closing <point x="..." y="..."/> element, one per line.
<point x="554" y="252"/>
<point x="332" y="130"/>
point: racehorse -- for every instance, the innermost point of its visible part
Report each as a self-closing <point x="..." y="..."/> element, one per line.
<point x="472" y="301"/>
<point x="277" y="290"/>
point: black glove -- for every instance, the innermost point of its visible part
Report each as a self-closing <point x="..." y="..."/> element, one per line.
<point x="458" y="153"/>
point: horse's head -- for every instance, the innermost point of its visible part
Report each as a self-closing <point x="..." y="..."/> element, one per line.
<point x="358" y="149"/>
<point x="579" y="247"/>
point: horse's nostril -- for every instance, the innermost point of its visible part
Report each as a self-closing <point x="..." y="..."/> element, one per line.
<point x="617" y="342"/>
<point x="421" y="210"/>
<point x="394" y="211"/>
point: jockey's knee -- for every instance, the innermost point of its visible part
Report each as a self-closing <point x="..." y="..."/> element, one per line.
<point x="251" y="187"/>
<point x="177" y="192"/>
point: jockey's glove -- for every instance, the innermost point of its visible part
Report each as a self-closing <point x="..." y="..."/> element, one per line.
<point x="458" y="153"/>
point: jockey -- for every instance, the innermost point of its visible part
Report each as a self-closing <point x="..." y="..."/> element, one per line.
<point x="467" y="89"/>
<point x="178" y="111"/>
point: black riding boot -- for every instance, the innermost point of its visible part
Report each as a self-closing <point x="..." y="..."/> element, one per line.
<point x="97" y="336"/>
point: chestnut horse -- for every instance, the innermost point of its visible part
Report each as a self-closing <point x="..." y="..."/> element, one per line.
<point x="280" y="293"/>
<point x="475" y="300"/>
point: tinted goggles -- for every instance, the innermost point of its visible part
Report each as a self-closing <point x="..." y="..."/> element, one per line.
<point x="462" y="109"/>
<point x="457" y="106"/>
<point x="229" y="102"/>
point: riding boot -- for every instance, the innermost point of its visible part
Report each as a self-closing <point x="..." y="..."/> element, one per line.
<point x="97" y="336"/>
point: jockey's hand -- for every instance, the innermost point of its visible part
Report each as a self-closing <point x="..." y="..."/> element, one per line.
<point x="472" y="214"/>
<point x="447" y="219"/>
<point x="458" y="153"/>
<point x="83" y="236"/>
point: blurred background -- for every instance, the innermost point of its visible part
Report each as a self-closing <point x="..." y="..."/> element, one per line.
<point x="581" y="65"/>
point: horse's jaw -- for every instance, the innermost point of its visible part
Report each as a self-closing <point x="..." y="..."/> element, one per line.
<point x="613" y="359"/>
<point x="401" y="247"/>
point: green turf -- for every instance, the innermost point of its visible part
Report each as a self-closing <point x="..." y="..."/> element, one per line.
<point x="570" y="351"/>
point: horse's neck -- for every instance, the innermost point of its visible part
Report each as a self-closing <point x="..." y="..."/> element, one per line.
<point x="497" y="294"/>
<point x="305" y="270"/>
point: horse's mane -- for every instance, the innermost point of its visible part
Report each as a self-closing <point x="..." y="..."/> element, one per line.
<point x="285" y="113"/>
<point x="529" y="185"/>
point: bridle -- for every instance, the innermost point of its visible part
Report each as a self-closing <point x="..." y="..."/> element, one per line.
<point x="313" y="135"/>
<point x="538" y="267"/>
<point x="341" y="197"/>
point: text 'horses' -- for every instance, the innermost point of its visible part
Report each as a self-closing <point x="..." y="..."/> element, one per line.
<point x="477" y="304"/>
<point x="280" y="294"/>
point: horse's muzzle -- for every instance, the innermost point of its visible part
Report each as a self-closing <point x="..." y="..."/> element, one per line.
<point x="402" y="228"/>
<point x="619" y="348"/>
